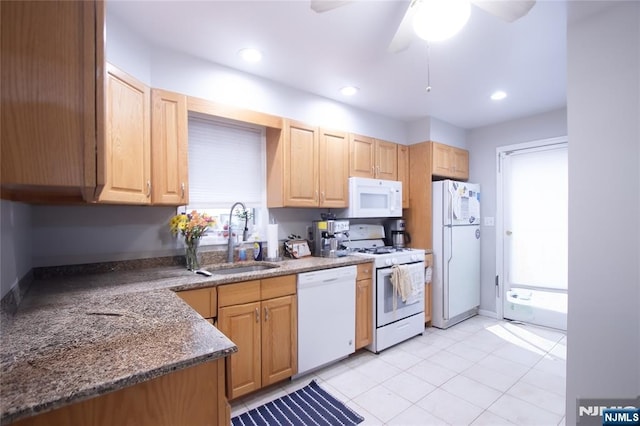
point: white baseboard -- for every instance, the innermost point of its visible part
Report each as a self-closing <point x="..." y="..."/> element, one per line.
<point x="486" y="313"/>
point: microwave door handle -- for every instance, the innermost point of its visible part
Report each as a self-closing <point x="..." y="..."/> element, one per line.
<point x="393" y="200"/>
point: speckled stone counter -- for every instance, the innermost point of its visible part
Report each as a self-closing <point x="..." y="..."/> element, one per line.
<point x="74" y="338"/>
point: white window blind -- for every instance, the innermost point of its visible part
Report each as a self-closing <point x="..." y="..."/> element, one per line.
<point x="226" y="163"/>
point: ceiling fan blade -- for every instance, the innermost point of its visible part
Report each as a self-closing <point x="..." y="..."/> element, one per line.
<point x="404" y="34"/>
<point x="320" y="6"/>
<point x="507" y="10"/>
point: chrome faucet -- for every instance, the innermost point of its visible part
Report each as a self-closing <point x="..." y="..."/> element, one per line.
<point x="230" y="243"/>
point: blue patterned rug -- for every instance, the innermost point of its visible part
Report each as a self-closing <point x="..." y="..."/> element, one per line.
<point x="310" y="405"/>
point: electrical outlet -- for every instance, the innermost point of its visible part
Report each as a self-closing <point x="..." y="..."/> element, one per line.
<point x="489" y="221"/>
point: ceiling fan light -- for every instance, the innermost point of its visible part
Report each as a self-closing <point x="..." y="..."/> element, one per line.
<point x="437" y="20"/>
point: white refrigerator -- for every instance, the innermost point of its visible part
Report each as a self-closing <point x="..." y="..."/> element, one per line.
<point x="456" y="252"/>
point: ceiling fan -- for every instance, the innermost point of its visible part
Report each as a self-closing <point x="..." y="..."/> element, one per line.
<point x="507" y="10"/>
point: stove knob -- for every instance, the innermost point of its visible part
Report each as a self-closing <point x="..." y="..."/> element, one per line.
<point x="387" y="262"/>
<point x="414" y="257"/>
<point x="394" y="261"/>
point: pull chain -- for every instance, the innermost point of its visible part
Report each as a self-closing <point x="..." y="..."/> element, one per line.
<point x="428" y="71"/>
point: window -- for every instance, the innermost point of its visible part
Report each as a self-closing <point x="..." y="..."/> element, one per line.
<point x="226" y="164"/>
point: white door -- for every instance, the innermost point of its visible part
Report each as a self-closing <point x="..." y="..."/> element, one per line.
<point x="533" y="233"/>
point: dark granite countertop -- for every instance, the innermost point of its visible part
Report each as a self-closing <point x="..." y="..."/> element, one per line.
<point x="74" y="338"/>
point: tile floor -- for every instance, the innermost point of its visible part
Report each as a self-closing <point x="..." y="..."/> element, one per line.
<point x="479" y="372"/>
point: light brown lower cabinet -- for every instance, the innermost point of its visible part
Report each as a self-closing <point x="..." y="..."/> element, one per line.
<point x="260" y="317"/>
<point x="364" y="305"/>
<point x="193" y="396"/>
<point x="203" y="300"/>
<point x="428" y="262"/>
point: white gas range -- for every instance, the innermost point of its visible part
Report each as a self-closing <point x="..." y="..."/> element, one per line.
<point x="394" y="320"/>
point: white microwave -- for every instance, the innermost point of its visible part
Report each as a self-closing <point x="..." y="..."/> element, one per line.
<point x="374" y="198"/>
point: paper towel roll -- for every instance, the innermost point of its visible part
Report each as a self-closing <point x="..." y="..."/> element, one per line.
<point x="272" y="241"/>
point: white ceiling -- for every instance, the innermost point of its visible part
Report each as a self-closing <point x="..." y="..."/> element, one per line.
<point x="320" y="53"/>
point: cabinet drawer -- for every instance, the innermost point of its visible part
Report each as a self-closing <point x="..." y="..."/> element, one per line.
<point x="278" y="286"/>
<point x="238" y="293"/>
<point x="365" y="271"/>
<point x="202" y="300"/>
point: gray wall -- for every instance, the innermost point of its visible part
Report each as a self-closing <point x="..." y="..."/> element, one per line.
<point x="603" y="352"/>
<point x="16" y="243"/>
<point x="482" y="144"/>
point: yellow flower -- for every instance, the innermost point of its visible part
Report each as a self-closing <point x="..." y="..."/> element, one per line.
<point x="191" y="225"/>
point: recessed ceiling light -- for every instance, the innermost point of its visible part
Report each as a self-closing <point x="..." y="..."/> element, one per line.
<point x="498" y="95"/>
<point x="349" y="90"/>
<point x="250" y="55"/>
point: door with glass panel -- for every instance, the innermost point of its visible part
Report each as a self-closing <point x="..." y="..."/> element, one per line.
<point x="533" y="233"/>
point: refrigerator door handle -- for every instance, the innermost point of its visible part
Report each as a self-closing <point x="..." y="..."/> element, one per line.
<point x="448" y="256"/>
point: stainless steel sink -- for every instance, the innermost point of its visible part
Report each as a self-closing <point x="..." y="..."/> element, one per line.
<point x="242" y="269"/>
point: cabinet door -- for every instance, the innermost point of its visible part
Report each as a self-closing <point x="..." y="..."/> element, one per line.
<point x="361" y="156"/>
<point x="241" y="324"/>
<point x="403" y="173"/>
<point x="460" y="163"/>
<point x="334" y="169"/>
<point x="52" y="61"/>
<point x="364" y="312"/>
<point x="124" y="163"/>
<point x="279" y="339"/>
<point x="386" y="160"/>
<point x="441" y="159"/>
<point x="301" y="165"/>
<point x="428" y="262"/>
<point x="169" y="174"/>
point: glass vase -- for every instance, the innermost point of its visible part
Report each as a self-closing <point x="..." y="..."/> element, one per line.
<point x="191" y="254"/>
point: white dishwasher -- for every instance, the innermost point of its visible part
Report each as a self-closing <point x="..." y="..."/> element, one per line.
<point x="326" y="316"/>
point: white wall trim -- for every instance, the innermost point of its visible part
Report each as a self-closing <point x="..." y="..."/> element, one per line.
<point x="489" y="314"/>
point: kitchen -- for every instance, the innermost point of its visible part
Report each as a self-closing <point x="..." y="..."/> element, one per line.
<point x="107" y="223"/>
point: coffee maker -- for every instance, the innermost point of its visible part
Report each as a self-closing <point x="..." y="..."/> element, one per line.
<point x="395" y="233"/>
<point x="327" y="236"/>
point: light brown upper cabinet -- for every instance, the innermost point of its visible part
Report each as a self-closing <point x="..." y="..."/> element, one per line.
<point x="169" y="148"/>
<point x="52" y="59"/>
<point x="403" y="173"/>
<point x="144" y="157"/>
<point x="372" y="158"/>
<point x="449" y="161"/>
<point x="306" y="167"/>
<point x="124" y="161"/>
<point x="334" y="169"/>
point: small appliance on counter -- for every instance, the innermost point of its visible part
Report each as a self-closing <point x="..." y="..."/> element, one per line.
<point x="395" y="233"/>
<point x="327" y="237"/>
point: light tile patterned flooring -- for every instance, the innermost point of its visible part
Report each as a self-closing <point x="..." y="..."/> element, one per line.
<point x="479" y="372"/>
